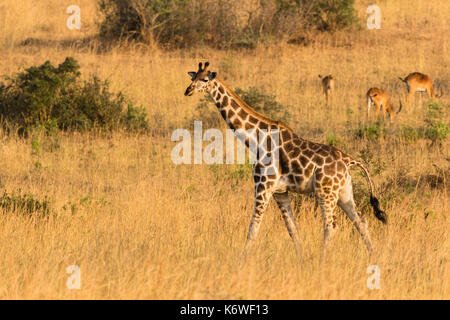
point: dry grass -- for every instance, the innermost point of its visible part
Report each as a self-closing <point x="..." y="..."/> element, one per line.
<point x="142" y="227"/>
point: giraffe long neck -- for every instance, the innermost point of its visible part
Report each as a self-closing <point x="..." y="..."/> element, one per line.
<point x="237" y="114"/>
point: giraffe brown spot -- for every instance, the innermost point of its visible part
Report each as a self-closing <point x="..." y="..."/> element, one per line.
<point x="335" y="180"/>
<point x="313" y="146"/>
<point x="318" y="160"/>
<point x="271" y="176"/>
<point x="263" y="126"/>
<point x="330" y="169"/>
<point x="340" y="176"/>
<point x="234" y="104"/>
<point x="323" y="152"/>
<point x="260" y="188"/>
<point x="225" y="100"/>
<point x="218" y="104"/>
<point x="256" y="178"/>
<point x="236" y="123"/>
<point x="230" y="113"/>
<point x="328" y="159"/>
<point x="286" y="135"/>
<point x="218" y="97"/>
<point x="327" y="181"/>
<point x="297" y="141"/>
<point x="304" y="161"/>
<point x="308" y="170"/>
<point x="284" y="162"/>
<point x="308" y="153"/>
<point x="248" y="126"/>
<point x="263" y="179"/>
<point x="221" y="89"/>
<point x="296" y="167"/>
<point x="335" y="187"/>
<point x="319" y="175"/>
<point x="224" y="114"/>
<point x="340" y="166"/>
<point x="289" y="147"/>
<point x="298" y="180"/>
<point x="295" y="153"/>
<point x="214" y="93"/>
<point x="242" y="114"/>
<point x="253" y="120"/>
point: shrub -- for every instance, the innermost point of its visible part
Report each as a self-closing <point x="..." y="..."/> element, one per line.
<point x="371" y="132"/>
<point x="25" y="204"/>
<point x="221" y="24"/>
<point x="436" y="130"/>
<point x="52" y="97"/>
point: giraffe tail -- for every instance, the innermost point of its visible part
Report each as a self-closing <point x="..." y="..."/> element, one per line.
<point x="379" y="214"/>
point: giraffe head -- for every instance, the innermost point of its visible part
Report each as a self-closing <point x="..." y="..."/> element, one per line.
<point x="201" y="80"/>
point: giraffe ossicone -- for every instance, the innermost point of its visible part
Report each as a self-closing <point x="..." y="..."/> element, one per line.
<point x="304" y="166"/>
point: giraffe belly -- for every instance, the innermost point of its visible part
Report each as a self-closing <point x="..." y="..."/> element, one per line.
<point x="301" y="186"/>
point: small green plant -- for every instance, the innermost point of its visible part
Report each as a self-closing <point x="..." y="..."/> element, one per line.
<point x="25" y="204"/>
<point x="52" y="98"/>
<point x="333" y="140"/>
<point x="371" y="132"/>
<point x="436" y="130"/>
<point x="264" y="103"/>
<point x="410" y="134"/>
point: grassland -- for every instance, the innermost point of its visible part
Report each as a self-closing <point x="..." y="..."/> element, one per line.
<point x="141" y="227"/>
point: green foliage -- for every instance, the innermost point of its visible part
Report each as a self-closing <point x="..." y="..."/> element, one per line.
<point x="51" y="98"/>
<point x="333" y="140"/>
<point x="182" y="23"/>
<point x="25" y="204"/>
<point x="373" y="131"/>
<point x="264" y="103"/>
<point x="410" y="134"/>
<point x="436" y="130"/>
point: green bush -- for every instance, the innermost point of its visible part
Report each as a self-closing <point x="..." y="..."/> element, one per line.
<point x="25" y="204"/>
<point x="221" y="24"/>
<point x="371" y="132"/>
<point x="436" y="130"/>
<point x="52" y="97"/>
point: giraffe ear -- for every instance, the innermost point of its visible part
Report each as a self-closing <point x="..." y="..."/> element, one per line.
<point x="192" y="74"/>
<point x="212" y="75"/>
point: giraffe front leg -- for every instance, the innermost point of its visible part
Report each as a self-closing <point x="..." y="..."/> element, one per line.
<point x="262" y="197"/>
<point x="284" y="203"/>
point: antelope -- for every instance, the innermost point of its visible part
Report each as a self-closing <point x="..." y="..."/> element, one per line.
<point x="379" y="98"/>
<point x="328" y="87"/>
<point x="417" y="81"/>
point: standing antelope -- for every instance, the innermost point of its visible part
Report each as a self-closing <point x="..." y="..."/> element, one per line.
<point x="302" y="166"/>
<point x="417" y="81"/>
<point x="380" y="99"/>
<point x="328" y="87"/>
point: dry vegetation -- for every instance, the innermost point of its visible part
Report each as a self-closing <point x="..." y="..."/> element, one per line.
<point x="141" y="227"/>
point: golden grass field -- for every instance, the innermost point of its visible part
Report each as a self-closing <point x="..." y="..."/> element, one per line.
<point x="144" y="228"/>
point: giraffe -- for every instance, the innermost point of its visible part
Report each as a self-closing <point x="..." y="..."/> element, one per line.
<point x="380" y="99"/>
<point x="303" y="166"/>
<point x="328" y="87"/>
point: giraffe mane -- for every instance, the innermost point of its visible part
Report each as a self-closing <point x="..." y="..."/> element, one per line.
<point x="252" y="111"/>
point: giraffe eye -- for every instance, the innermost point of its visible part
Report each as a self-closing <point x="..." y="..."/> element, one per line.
<point x="204" y="80"/>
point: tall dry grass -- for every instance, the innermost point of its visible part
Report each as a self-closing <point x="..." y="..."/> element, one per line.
<point x="140" y="227"/>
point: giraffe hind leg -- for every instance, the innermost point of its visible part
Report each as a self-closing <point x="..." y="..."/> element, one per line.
<point x="347" y="204"/>
<point x="284" y="203"/>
